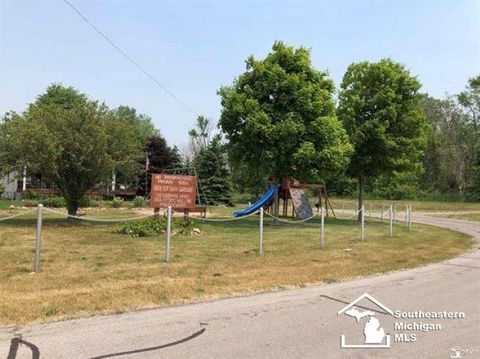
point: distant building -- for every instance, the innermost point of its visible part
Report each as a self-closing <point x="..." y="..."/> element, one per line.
<point x="35" y="184"/>
<point x="12" y="185"/>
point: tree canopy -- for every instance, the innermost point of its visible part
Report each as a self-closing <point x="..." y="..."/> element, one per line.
<point x="379" y="107"/>
<point x="279" y="118"/>
<point x="73" y="141"/>
<point x="213" y="173"/>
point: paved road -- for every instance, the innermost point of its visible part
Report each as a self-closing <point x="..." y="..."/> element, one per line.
<point x="299" y="323"/>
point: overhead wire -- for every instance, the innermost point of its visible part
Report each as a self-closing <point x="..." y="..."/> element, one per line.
<point x="130" y="59"/>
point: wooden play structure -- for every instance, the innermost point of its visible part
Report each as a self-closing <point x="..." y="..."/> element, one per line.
<point x="295" y="191"/>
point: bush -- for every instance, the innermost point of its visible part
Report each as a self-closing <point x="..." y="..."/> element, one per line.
<point x="28" y="194"/>
<point x="183" y="227"/>
<point x="59" y="202"/>
<point x="142" y="229"/>
<point x="53" y="202"/>
<point x="139" y="202"/>
<point x="117" y="202"/>
<point x="152" y="227"/>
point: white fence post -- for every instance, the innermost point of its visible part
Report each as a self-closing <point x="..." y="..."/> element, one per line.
<point x="390" y="231"/>
<point x="362" y="219"/>
<point x="169" y="222"/>
<point x="260" y="234"/>
<point x="38" y="238"/>
<point x="322" y="229"/>
<point x="410" y="217"/>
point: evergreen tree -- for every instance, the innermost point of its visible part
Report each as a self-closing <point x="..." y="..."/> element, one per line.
<point x="213" y="173"/>
<point x="160" y="157"/>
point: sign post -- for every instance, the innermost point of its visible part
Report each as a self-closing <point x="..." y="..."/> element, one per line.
<point x="169" y="221"/>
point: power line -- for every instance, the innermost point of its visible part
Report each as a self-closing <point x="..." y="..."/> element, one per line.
<point x="129" y="58"/>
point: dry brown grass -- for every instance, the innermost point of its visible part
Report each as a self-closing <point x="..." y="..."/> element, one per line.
<point x="89" y="269"/>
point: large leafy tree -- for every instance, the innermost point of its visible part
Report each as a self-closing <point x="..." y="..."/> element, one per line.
<point x="469" y="100"/>
<point x="279" y="118"/>
<point x="379" y="107"/>
<point x="69" y="139"/>
<point x="141" y="125"/>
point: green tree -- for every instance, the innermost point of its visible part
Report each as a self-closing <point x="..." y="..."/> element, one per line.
<point x="160" y="157"/>
<point x="67" y="138"/>
<point x="213" y="173"/>
<point x="201" y="133"/>
<point x="379" y="107"/>
<point x="469" y="100"/>
<point x="141" y="125"/>
<point x="450" y="156"/>
<point x="279" y="118"/>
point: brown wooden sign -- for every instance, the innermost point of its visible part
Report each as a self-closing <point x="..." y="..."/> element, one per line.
<point x="176" y="191"/>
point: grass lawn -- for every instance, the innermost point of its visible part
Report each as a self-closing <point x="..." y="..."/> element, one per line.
<point x="417" y="206"/>
<point x="87" y="268"/>
<point x="473" y="216"/>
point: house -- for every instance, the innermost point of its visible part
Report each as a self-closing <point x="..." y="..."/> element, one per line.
<point x="12" y="185"/>
<point x="16" y="187"/>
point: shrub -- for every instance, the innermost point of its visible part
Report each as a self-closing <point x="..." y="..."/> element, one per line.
<point x="59" y="202"/>
<point x="88" y="202"/>
<point x="117" y="202"/>
<point x="142" y="229"/>
<point x="152" y="227"/>
<point x="28" y="194"/>
<point x="183" y="227"/>
<point x="139" y="202"/>
<point x="54" y="202"/>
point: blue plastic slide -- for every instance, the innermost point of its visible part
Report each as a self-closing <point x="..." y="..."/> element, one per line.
<point x="256" y="206"/>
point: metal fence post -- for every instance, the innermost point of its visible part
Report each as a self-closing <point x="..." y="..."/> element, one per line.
<point x="410" y="217"/>
<point x="38" y="238"/>
<point x="362" y="219"/>
<point x="322" y="229"/>
<point x="390" y="231"/>
<point x="169" y="221"/>
<point x="260" y="234"/>
<point x="406" y="216"/>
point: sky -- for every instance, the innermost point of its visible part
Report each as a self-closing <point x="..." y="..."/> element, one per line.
<point x="194" y="47"/>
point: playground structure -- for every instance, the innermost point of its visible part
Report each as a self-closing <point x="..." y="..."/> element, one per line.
<point x="176" y="183"/>
<point x="290" y="189"/>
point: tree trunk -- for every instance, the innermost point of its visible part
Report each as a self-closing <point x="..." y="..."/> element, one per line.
<point x="72" y="208"/>
<point x="360" y="197"/>
<point x="275" y="201"/>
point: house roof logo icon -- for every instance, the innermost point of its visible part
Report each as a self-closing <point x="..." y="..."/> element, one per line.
<point x="375" y="336"/>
